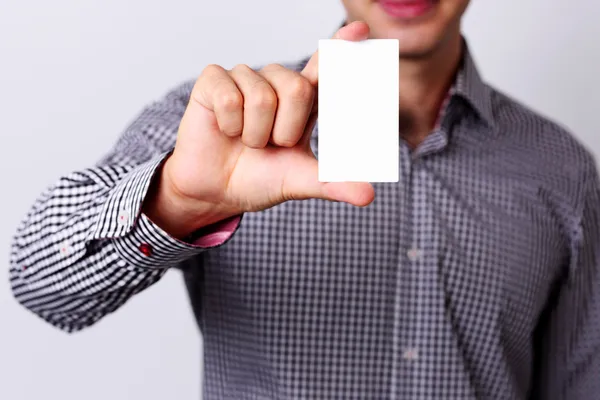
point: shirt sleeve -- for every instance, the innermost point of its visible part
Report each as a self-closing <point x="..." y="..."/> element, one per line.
<point x="85" y="248"/>
<point x="569" y="366"/>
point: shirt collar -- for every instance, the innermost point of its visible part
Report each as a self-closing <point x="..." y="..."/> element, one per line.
<point x="470" y="86"/>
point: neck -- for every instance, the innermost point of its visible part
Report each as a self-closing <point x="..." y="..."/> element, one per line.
<point x="424" y="84"/>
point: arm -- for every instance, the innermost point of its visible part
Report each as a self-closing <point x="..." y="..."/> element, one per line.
<point x="243" y="145"/>
<point x="570" y="349"/>
<point x="86" y="247"/>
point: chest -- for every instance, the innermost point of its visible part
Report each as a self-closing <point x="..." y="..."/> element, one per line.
<point x="466" y="234"/>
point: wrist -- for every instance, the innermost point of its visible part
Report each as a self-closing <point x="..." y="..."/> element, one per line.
<point x="175" y="213"/>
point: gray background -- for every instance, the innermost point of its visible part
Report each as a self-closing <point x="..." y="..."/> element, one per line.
<point x="73" y="74"/>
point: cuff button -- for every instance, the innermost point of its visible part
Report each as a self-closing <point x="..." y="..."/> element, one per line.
<point x="146" y="249"/>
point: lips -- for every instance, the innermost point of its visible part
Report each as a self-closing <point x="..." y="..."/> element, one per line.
<point x="406" y="9"/>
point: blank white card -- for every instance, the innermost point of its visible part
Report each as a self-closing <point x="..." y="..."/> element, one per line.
<point x="358" y="111"/>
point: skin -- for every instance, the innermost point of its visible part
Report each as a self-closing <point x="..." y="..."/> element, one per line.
<point x="430" y="50"/>
<point x="243" y="142"/>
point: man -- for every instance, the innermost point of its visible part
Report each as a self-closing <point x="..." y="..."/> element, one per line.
<point x="475" y="277"/>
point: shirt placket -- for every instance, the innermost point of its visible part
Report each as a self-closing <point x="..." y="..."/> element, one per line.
<point x="406" y="303"/>
<point x="422" y="260"/>
<point x="415" y="292"/>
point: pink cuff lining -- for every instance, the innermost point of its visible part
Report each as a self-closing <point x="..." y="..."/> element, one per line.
<point x="218" y="233"/>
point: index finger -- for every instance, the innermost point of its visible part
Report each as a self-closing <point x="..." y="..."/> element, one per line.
<point x="355" y="31"/>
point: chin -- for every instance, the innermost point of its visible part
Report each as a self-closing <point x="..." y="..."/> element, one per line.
<point x="415" y="41"/>
<point x="421" y="30"/>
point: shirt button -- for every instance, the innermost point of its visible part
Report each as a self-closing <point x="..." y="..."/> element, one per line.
<point x="65" y="248"/>
<point x="410" y="354"/>
<point x="413" y="254"/>
<point x="123" y="218"/>
<point x="146" y="249"/>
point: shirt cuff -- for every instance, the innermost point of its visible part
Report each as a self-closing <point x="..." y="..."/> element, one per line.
<point x="148" y="246"/>
<point x="138" y="240"/>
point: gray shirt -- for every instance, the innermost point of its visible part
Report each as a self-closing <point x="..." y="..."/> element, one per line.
<point x="477" y="276"/>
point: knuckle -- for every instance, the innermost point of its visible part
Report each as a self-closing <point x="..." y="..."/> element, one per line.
<point x="231" y="128"/>
<point x="211" y="69"/>
<point x="242" y="68"/>
<point x="284" y="141"/>
<point x="272" y="67"/>
<point x="205" y="81"/>
<point x="300" y="90"/>
<point x="263" y="97"/>
<point x="230" y="100"/>
<point x="252" y="142"/>
<point x="232" y="132"/>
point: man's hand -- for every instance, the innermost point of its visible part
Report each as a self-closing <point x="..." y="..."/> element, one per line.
<point x="243" y="145"/>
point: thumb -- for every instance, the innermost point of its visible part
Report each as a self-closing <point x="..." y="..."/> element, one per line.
<point x="304" y="184"/>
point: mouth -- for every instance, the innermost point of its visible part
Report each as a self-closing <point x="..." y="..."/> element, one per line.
<point x="407" y="9"/>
